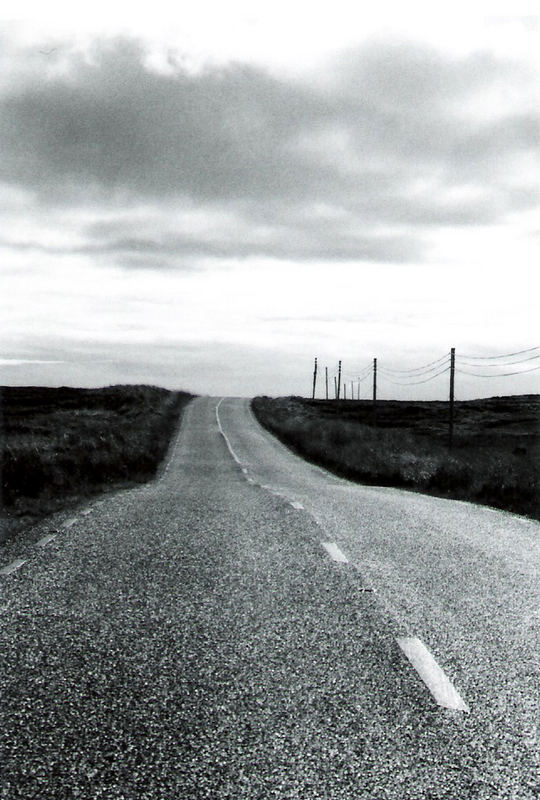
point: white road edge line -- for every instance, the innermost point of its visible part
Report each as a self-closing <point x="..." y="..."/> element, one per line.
<point x="15" y="565"/>
<point x="231" y="451"/>
<point x="173" y="453"/>
<point x="335" y="553"/>
<point x="174" y="448"/>
<point x="265" y="434"/>
<point x="298" y="506"/>
<point x="440" y="686"/>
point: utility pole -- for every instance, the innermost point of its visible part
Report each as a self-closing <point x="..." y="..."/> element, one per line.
<point x="326" y="375"/>
<point x="359" y="388"/>
<point x="344" y="390"/>
<point x="374" y="391"/>
<point x="339" y="380"/>
<point x="335" y="387"/>
<point x="314" y="380"/>
<point x="451" y="406"/>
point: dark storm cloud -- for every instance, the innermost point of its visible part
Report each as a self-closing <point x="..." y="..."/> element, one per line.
<point x="358" y="139"/>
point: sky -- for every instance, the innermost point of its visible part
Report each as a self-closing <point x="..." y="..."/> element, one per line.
<point x="207" y="196"/>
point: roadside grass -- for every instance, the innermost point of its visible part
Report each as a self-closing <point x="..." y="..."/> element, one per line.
<point x="495" y="459"/>
<point x="60" y="446"/>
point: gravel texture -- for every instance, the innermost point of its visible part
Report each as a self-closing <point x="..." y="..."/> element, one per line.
<point x="192" y="639"/>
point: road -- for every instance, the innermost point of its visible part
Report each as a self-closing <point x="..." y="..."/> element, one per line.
<point x="249" y="626"/>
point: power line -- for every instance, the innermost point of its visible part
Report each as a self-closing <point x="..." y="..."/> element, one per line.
<point x="434" y="369"/>
<point x="415" y="383"/>
<point x="404" y="375"/>
<point x="499" y="374"/>
<point x="354" y="373"/>
<point x="503" y="355"/>
<point x="435" y="364"/>
<point x="467" y="363"/>
<point x="355" y="377"/>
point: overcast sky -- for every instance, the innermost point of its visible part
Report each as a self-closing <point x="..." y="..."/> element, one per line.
<point x="209" y="197"/>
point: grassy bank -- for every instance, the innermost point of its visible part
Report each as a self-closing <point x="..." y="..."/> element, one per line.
<point x="495" y="459"/>
<point x="59" y="446"/>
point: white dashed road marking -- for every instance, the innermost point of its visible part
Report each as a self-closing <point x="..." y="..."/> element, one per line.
<point x="418" y="655"/>
<point x="335" y="553"/>
<point x="70" y="522"/>
<point x="15" y="565"/>
<point x="46" y="539"/>
<point x="445" y="694"/>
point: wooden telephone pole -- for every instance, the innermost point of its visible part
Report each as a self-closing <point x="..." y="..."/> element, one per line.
<point x="326" y="375"/>
<point x="314" y="380"/>
<point x="339" y="381"/>
<point x="374" y="391"/>
<point x="451" y="405"/>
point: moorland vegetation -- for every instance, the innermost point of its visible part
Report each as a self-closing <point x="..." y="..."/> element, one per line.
<point x="494" y="458"/>
<point x="61" y="445"/>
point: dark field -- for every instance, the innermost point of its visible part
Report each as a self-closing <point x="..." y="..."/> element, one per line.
<point x="59" y="446"/>
<point x="495" y="458"/>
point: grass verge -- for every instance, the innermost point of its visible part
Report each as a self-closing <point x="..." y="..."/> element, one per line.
<point x="60" y="446"/>
<point x="495" y="459"/>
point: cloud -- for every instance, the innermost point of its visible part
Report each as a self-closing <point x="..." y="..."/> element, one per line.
<point x="300" y="240"/>
<point x="178" y="252"/>
<point x="199" y="366"/>
<point x="15" y="362"/>
<point x="392" y="140"/>
<point x="118" y="125"/>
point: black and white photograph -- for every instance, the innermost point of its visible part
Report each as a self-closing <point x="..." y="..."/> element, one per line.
<point x="269" y="400"/>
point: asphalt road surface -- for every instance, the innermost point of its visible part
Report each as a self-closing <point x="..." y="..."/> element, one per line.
<point x="249" y="626"/>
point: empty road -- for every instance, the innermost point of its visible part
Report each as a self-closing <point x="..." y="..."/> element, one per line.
<point x="249" y="626"/>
